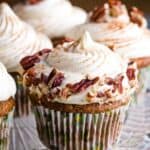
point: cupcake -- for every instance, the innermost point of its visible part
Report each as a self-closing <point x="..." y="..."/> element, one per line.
<point x="7" y="103"/>
<point x="80" y="92"/>
<point x="18" y="39"/>
<point x="125" y="32"/>
<point x="56" y="17"/>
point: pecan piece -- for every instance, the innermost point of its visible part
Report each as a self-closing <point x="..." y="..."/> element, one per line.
<point x="131" y="73"/>
<point x="61" y="40"/>
<point x="82" y="85"/>
<point x="43" y="52"/>
<point x="29" y="61"/>
<point x="32" y="2"/>
<point x="136" y="16"/>
<point x="98" y="13"/>
<point x="58" y="79"/>
<point x="51" y="75"/>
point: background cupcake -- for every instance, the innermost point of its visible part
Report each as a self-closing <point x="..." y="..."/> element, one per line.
<point x="56" y="17"/>
<point x="125" y="32"/>
<point x="80" y="92"/>
<point x="18" y="39"/>
<point x="7" y="103"/>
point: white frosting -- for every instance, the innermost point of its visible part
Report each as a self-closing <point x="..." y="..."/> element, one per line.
<point x="17" y="39"/>
<point x="129" y="40"/>
<point x="79" y="60"/>
<point x="7" y="84"/>
<point x="53" y="17"/>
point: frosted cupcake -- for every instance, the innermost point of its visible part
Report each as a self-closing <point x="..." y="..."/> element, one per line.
<point x="123" y="31"/>
<point x="55" y="18"/>
<point x="18" y="39"/>
<point x="7" y="103"/>
<point x="80" y="92"/>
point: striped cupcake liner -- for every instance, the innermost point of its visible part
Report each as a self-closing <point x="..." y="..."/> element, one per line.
<point x="79" y="131"/>
<point x="5" y="126"/>
<point x="145" y="78"/>
<point x="23" y="104"/>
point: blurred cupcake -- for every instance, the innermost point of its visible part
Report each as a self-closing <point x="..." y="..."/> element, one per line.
<point x="7" y="103"/>
<point x="18" y="39"/>
<point x="125" y="32"/>
<point x="56" y="17"/>
<point x="80" y="92"/>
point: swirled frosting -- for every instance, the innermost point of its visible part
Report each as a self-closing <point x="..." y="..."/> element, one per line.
<point x="129" y="40"/>
<point x="17" y="39"/>
<point x="7" y="84"/>
<point x="53" y="17"/>
<point x="79" y="62"/>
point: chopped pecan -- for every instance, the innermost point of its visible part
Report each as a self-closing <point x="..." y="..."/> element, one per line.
<point x="58" y="79"/>
<point x="29" y="61"/>
<point x="98" y="13"/>
<point x="100" y="94"/>
<point x="51" y="75"/>
<point x="43" y="52"/>
<point x="131" y="73"/>
<point x="136" y="16"/>
<point x="117" y="83"/>
<point x="44" y="78"/>
<point x="61" y="40"/>
<point x="82" y="85"/>
<point x="32" y="2"/>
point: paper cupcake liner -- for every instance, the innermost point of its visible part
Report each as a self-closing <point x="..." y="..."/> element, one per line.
<point x="5" y="126"/>
<point x="23" y="104"/>
<point x="79" y="131"/>
<point x="145" y="78"/>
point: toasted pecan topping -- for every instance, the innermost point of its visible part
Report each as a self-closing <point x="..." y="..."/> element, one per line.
<point x="58" y="79"/>
<point x="29" y="61"/>
<point x="136" y="16"/>
<point x="113" y="8"/>
<point x="32" y="2"/>
<point x="98" y="13"/>
<point x="82" y="85"/>
<point x="61" y="40"/>
<point x="131" y="73"/>
<point x="117" y="83"/>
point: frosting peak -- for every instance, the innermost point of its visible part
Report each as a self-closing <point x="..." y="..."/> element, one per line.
<point x="7" y="84"/>
<point x="17" y="39"/>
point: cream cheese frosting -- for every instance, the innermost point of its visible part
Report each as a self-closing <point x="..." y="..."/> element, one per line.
<point x="17" y="39"/>
<point x="113" y="26"/>
<point x="78" y="61"/>
<point x="129" y="40"/>
<point x="7" y="84"/>
<point x="53" y="17"/>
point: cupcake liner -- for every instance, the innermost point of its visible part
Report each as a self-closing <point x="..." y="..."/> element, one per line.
<point x="79" y="131"/>
<point x="5" y="126"/>
<point x="23" y="104"/>
<point x="145" y="78"/>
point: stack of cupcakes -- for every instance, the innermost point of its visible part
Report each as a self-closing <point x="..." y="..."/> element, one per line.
<point x="80" y="92"/>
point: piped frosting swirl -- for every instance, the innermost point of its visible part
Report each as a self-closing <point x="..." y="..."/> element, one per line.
<point x="17" y="39"/>
<point x="56" y="17"/>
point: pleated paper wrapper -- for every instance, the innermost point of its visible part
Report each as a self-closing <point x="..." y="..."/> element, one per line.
<point x="74" y="131"/>
<point x="5" y="127"/>
<point x="23" y="104"/>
